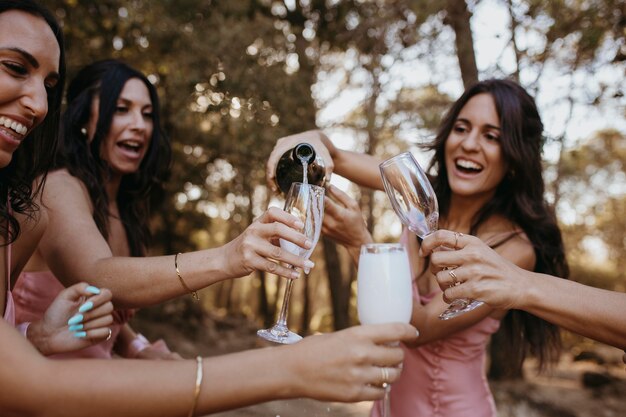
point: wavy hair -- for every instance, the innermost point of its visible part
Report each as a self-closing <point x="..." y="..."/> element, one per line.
<point x="520" y="199"/>
<point x="81" y="157"/>
<point x="33" y="158"/>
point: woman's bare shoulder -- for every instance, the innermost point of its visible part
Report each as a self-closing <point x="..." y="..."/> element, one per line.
<point x="61" y="181"/>
<point x="508" y="239"/>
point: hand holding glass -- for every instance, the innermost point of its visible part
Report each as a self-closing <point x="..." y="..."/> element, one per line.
<point x="306" y="202"/>
<point x="384" y="291"/>
<point x="415" y="202"/>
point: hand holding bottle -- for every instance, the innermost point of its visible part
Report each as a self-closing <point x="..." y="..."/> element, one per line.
<point x="324" y="150"/>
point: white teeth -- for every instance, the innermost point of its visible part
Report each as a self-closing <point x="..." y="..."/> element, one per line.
<point x="464" y="163"/>
<point x="13" y="125"/>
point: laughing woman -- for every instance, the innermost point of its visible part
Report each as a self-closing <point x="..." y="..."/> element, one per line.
<point x="111" y="155"/>
<point x="488" y="181"/>
<point x="344" y="366"/>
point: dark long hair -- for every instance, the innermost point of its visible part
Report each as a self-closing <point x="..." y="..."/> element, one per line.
<point x="34" y="156"/>
<point x="520" y="199"/>
<point x="105" y="80"/>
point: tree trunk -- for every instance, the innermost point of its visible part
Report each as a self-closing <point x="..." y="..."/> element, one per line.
<point x="459" y="20"/>
<point x="339" y="286"/>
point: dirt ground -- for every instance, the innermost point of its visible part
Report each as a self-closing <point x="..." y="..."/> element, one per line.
<point x="593" y="387"/>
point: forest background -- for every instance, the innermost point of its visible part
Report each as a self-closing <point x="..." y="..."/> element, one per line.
<point x="234" y="76"/>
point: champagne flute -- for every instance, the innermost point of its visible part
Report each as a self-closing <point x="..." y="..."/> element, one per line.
<point x="306" y="202"/>
<point x="415" y="202"/>
<point x="384" y="290"/>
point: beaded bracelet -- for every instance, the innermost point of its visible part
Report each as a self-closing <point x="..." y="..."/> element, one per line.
<point x="193" y="293"/>
<point x="196" y="390"/>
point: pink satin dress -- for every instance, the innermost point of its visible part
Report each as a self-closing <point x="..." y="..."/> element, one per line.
<point x="9" y="306"/>
<point x="445" y="378"/>
<point x="33" y="294"/>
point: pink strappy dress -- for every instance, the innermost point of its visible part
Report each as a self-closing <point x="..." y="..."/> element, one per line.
<point x="445" y="378"/>
<point x="9" y="307"/>
<point x="33" y="294"/>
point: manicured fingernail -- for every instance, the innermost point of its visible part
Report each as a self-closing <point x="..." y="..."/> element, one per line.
<point x="308" y="244"/>
<point x="295" y="274"/>
<point x="92" y="289"/>
<point x="80" y="335"/>
<point x="418" y="332"/>
<point x="86" y="307"/>
<point x="307" y="270"/>
<point x="298" y="224"/>
<point x="308" y="264"/>
<point x="76" y="327"/>
<point x="77" y="318"/>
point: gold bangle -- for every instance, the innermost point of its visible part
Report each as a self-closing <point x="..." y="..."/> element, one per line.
<point x="193" y="293"/>
<point x="196" y="390"/>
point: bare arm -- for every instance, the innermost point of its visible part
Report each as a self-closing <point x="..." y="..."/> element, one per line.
<point x="485" y="275"/>
<point x="343" y="366"/>
<point x="426" y="317"/>
<point x="357" y="167"/>
<point x="74" y="250"/>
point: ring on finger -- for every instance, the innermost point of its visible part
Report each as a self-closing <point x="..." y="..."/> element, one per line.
<point x="455" y="280"/>
<point x="109" y="335"/>
<point x="457" y="235"/>
<point x="385" y="374"/>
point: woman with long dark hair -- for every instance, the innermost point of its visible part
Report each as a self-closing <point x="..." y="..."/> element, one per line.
<point x="111" y="141"/>
<point x="344" y="366"/>
<point x="487" y="175"/>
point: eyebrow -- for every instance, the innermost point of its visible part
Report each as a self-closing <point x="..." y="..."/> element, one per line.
<point x="460" y="119"/>
<point x="31" y="60"/>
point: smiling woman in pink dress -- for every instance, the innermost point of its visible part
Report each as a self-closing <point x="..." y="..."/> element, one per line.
<point x="344" y="366"/>
<point x="488" y="180"/>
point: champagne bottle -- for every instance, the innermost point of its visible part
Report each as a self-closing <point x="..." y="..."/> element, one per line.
<point x="291" y="166"/>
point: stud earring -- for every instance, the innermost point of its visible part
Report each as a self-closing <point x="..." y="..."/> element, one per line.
<point x="83" y="130"/>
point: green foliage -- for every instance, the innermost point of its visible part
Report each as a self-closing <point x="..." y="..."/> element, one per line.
<point x="234" y="76"/>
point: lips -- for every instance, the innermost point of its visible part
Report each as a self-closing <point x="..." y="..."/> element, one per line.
<point x="467" y="166"/>
<point x="131" y="148"/>
<point x="15" y="129"/>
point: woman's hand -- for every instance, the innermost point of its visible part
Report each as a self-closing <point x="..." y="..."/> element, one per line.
<point x="258" y="247"/>
<point x="324" y="148"/>
<point x="348" y="365"/>
<point x="474" y="270"/>
<point x="79" y="317"/>
<point x="343" y="221"/>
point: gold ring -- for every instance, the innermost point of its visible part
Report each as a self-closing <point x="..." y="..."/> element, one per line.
<point x="453" y="276"/>
<point x="385" y="373"/>
<point x="456" y="239"/>
<point x="109" y="335"/>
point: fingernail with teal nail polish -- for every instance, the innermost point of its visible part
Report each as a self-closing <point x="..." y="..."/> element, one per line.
<point x="80" y="335"/>
<point x="92" y="289"/>
<point x="77" y="318"/>
<point x="76" y="327"/>
<point x="86" y="307"/>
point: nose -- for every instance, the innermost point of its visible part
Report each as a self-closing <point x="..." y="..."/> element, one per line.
<point x="471" y="141"/>
<point x="35" y="99"/>
<point x="138" y="121"/>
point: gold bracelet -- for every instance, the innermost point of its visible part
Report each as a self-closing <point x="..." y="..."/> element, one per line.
<point x="196" y="390"/>
<point x="193" y="293"/>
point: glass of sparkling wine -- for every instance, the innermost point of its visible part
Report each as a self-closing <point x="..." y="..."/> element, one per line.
<point x="306" y="202"/>
<point x="415" y="202"/>
<point x="384" y="293"/>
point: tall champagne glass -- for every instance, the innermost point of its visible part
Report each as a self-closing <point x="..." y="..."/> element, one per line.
<point x="414" y="201"/>
<point x="384" y="290"/>
<point x="306" y="202"/>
